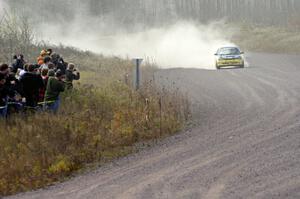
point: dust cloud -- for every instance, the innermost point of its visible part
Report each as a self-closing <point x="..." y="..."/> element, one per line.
<point x="2" y="8"/>
<point x="183" y="44"/>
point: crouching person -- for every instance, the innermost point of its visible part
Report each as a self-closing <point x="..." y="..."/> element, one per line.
<point x="55" y="86"/>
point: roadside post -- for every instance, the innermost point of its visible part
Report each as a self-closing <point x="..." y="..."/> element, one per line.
<point x="137" y="73"/>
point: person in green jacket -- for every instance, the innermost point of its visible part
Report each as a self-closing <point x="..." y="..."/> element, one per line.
<point x="55" y="86"/>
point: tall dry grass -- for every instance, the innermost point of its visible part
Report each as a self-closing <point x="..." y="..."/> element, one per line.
<point x="94" y="124"/>
<point x="268" y="39"/>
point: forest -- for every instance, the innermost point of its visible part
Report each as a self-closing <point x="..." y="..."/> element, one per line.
<point x="157" y="13"/>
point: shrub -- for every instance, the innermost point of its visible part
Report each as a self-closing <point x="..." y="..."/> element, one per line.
<point x="94" y="124"/>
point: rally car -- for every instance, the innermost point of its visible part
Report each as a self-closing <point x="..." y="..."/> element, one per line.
<point x="229" y="56"/>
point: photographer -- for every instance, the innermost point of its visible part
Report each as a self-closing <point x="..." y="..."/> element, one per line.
<point x="71" y="75"/>
<point x="59" y="62"/>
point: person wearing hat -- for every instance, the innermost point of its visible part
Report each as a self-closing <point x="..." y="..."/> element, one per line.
<point x="55" y="86"/>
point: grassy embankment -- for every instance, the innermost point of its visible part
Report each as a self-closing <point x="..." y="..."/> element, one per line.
<point x="268" y="39"/>
<point x="100" y="120"/>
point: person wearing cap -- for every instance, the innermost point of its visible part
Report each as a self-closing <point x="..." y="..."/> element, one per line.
<point x="55" y="86"/>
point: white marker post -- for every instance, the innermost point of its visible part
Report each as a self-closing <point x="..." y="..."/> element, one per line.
<point x="137" y="78"/>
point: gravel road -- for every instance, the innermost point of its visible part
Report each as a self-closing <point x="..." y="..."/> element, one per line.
<point x="245" y="143"/>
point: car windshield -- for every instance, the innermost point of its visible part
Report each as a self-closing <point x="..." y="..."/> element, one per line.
<point x="229" y="51"/>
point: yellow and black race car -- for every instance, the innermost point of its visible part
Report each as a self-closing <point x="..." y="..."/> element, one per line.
<point x="229" y="56"/>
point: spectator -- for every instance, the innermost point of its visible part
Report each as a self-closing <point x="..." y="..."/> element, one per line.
<point x="51" y="73"/>
<point x="14" y="99"/>
<point x="47" y="61"/>
<point x="49" y="51"/>
<point x="18" y="63"/>
<point x="21" y="72"/>
<point x="51" y="66"/>
<point x="40" y="59"/>
<point x="4" y="69"/>
<point x="59" y="63"/>
<point x="4" y="92"/>
<point x="10" y="80"/>
<point x="71" y="74"/>
<point x="54" y="87"/>
<point x="44" y="74"/>
<point x="13" y="83"/>
<point x="31" y="83"/>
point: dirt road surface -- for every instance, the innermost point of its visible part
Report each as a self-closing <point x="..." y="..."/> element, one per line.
<point x="245" y="144"/>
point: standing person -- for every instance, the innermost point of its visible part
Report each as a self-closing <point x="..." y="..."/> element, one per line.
<point x="4" y="69"/>
<point x="49" y="51"/>
<point x="40" y="59"/>
<point x="21" y="72"/>
<point x="59" y="63"/>
<point x="18" y="63"/>
<point x="44" y="75"/>
<point x="11" y="81"/>
<point x="47" y="61"/>
<point x="31" y="84"/>
<point x="4" y="92"/>
<point x="71" y="74"/>
<point x="55" y="86"/>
